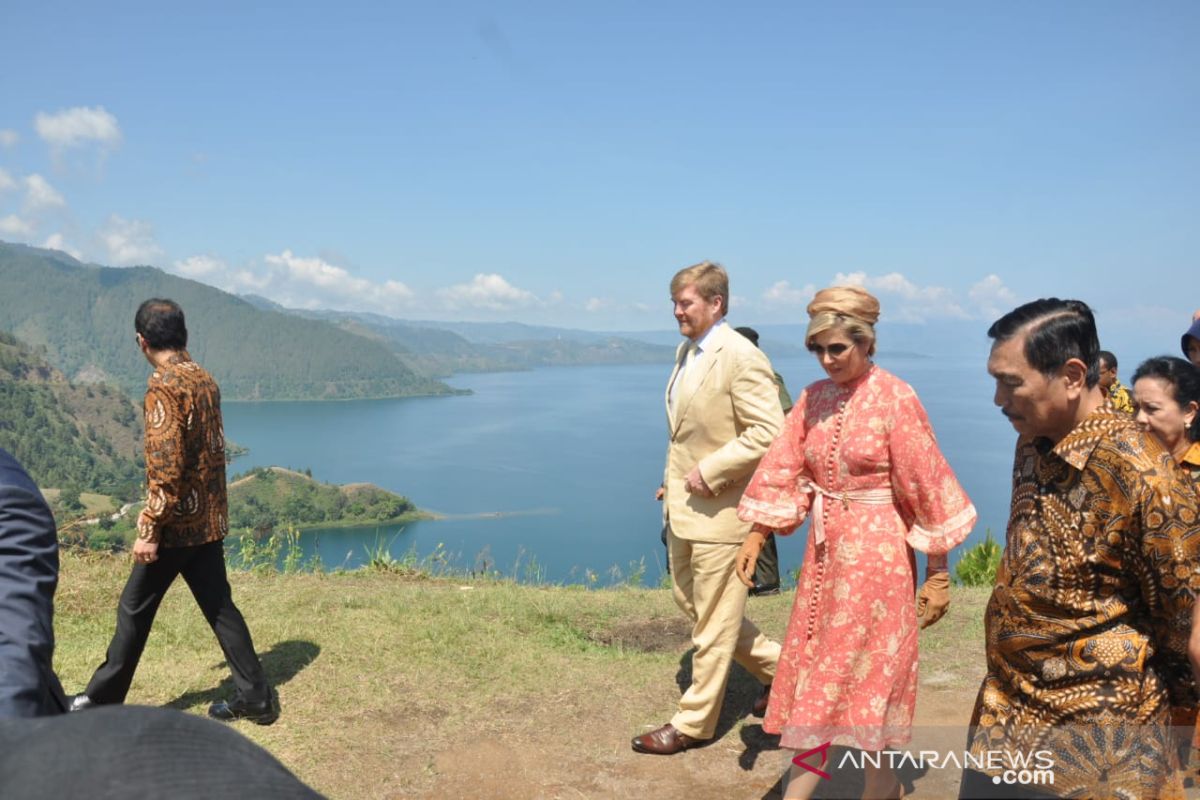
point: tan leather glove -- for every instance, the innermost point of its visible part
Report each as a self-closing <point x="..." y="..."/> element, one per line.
<point x="933" y="599"/>
<point x="747" y="557"/>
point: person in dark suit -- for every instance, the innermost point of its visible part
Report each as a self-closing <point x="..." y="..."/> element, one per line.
<point x="766" y="572"/>
<point x="28" y="578"/>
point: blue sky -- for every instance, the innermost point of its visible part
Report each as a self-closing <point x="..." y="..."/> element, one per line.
<point x="556" y="162"/>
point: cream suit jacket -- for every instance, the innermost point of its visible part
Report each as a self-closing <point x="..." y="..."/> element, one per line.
<point x="726" y="415"/>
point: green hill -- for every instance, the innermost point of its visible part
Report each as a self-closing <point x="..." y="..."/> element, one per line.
<point x="83" y="316"/>
<point x="68" y="436"/>
<point x="271" y="496"/>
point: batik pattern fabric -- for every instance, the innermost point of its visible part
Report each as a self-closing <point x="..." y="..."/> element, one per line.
<point x="1087" y="626"/>
<point x="1190" y="464"/>
<point x="848" y="671"/>
<point x="1118" y="395"/>
<point x="186" y="502"/>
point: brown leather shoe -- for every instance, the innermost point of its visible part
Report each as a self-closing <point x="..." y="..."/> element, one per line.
<point x="760" y="705"/>
<point x="666" y="741"/>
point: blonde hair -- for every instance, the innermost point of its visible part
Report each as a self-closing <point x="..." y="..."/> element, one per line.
<point x="710" y="279"/>
<point x="849" y="308"/>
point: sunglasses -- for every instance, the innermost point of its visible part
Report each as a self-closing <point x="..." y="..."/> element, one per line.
<point x="834" y="350"/>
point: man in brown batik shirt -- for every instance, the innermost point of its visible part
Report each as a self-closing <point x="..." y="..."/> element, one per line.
<point x="1088" y="624"/>
<point x="182" y="528"/>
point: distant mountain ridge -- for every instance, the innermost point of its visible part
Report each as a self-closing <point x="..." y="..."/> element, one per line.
<point x="83" y="316"/>
<point x="443" y="348"/>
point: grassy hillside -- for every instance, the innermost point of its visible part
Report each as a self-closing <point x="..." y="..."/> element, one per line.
<point x="272" y="496"/>
<point x="398" y="684"/>
<point x="83" y="316"/>
<point x="67" y="436"/>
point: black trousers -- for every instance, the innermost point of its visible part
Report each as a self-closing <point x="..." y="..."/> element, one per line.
<point x="203" y="568"/>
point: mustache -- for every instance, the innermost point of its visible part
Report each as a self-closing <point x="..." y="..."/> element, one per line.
<point x="1009" y="416"/>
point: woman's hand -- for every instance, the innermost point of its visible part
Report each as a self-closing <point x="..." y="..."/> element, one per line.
<point x="747" y="557"/>
<point x="933" y="599"/>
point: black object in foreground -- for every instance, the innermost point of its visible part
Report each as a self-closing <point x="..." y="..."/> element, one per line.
<point x="134" y="751"/>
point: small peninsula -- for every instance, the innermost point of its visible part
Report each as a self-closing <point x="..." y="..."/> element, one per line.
<point x="268" y="497"/>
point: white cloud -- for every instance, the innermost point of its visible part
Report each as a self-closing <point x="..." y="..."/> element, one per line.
<point x="245" y="279"/>
<point x="129" y="241"/>
<point x="595" y="304"/>
<point x="40" y="194"/>
<point x="783" y="294"/>
<point x="991" y="297"/>
<point x="201" y="267"/>
<point x="317" y="272"/>
<point x="487" y="291"/>
<point x="9" y="137"/>
<point x="56" y="242"/>
<point x="74" y="127"/>
<point x="316" y="283"/>
<point x="916" y="303"/>
<point x="903" y="300"/>
<point x="396" y="290"/>
<point x="298" y="282"/>
<point x="12" y="225"/>
<point x="6" y="181"/>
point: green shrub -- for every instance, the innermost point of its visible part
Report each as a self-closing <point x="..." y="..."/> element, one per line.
<point x="978" y="565"/>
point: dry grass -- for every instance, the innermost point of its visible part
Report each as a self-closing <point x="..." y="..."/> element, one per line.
<point x="397" y="686"/>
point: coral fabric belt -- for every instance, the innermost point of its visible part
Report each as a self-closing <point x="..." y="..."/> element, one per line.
<point x="870" y="497"/>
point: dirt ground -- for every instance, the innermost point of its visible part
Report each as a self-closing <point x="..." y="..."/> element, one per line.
<point x="395" y="685"/>
<point x="575" y="743"/>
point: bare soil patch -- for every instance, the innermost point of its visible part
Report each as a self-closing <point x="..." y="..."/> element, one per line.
<point x="660" y="635"/>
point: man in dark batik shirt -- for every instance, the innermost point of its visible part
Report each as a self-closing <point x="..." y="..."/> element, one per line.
<point x="1088" y="625"/>
<point x="182" y="528"/>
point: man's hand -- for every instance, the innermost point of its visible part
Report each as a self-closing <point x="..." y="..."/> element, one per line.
<point x="145" y="552"/>
<point x="659" y="494"/>
<point x="933" y="599"/>
<point x="694" y="483"/>
<point x="747" y="557"/>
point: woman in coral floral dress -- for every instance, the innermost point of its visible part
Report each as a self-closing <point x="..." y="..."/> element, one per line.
<point x="857" y="456"/>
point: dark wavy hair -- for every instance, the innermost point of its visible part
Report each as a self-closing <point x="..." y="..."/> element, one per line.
<point x="1057" y="331"/>
<point x="160" y="322"/>
<point x="1184" y="379"/>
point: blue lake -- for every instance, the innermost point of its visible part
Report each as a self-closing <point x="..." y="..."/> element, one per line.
<point x="551" y="473"/>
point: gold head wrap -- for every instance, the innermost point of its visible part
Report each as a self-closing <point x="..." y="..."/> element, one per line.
<point x="849" y="301"/>
<point x="844" y="306"/>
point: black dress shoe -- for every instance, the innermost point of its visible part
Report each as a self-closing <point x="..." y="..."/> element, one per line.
<point x="80" y="702"/>
<point x="261" y="713"/>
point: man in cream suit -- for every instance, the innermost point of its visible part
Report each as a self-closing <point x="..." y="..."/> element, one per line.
<point x="722" y="414"/>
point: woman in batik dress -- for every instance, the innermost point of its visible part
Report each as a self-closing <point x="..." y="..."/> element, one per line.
<point x="1166" y="404"/>
<point x="857" y="455"/>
